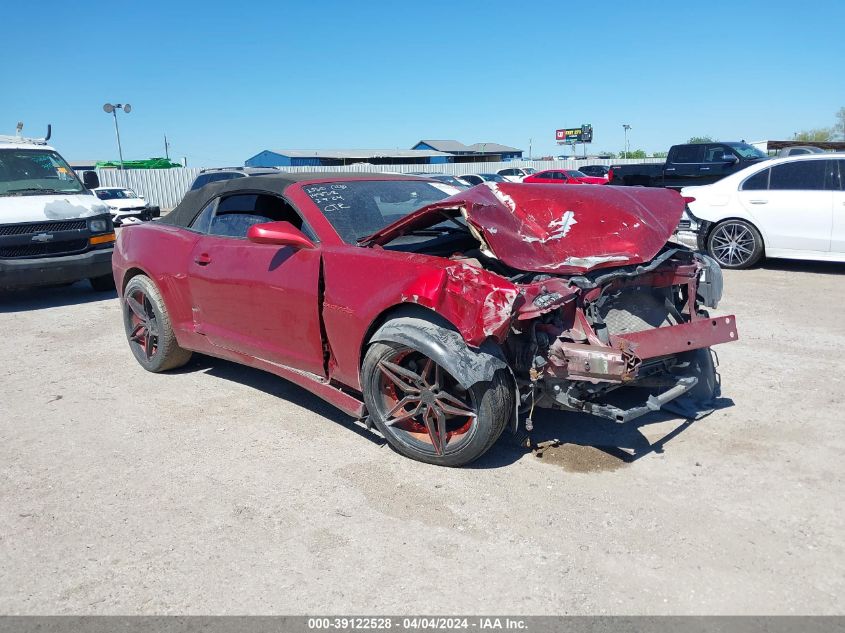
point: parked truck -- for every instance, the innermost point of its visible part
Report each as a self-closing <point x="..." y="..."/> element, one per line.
<point x="688" y="165"/>
<point x="53" y="230"/>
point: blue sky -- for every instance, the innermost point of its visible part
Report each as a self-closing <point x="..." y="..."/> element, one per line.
<point x="225" y="80"/>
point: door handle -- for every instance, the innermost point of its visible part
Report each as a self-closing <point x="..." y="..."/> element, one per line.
<point x="669" y="169"/>
<point x="758" y="201"/>
<point x="704" y="169"/>
<point x="203" y="259"/>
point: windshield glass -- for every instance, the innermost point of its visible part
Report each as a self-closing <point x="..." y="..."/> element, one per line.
<point x="493" y="177"/>
<point x="27" y="172"/>
<point x="114" y="194"/>
<point x="576" y="174"/>
<point x="747" y="151"/>
<point x="530" y="170"/>
<point x="357" y="209"/>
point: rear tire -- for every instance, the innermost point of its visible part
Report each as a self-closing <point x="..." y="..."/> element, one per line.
<point x="148" y="329"/>
<point x="735" y="244"/>
<point x="472" y="419"/>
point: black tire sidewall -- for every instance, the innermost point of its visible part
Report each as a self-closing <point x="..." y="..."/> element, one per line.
<point x="756" y="256"/>
<point x="158" y="361"/>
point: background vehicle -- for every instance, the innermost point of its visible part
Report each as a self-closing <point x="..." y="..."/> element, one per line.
<point x="52" y="229"/>
<point x="788" y="207"/>
<point x="597" y="171"/>
<point x="124" y="204"/>
<point x="477" y="316"/>
<point x="516" y="174"/>
<point x="455" y="181"/>
<point x="688" y="165"/>
<point x="798" y="150"/>
<point x="216" y="174"/>
<point x="477" y="179"/>
<point x="564" y="177"/>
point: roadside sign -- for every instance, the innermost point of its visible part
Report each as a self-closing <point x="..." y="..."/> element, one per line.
<point x="583" y="134"/>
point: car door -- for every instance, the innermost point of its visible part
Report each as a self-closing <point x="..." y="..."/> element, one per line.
<point x="257" y="299"/>
<point x="683" y="166"/>
<point x="794" y="210"/>
<point x="837" y="185"/>
<point x="719" y="161"/>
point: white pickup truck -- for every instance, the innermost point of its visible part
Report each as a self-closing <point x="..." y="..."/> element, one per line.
<point x="53" y="230"/>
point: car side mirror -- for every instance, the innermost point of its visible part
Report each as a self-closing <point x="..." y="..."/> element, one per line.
<point x="278" y="233"/>
<point x="90" y="179"/>
<point x="730" y="158"/>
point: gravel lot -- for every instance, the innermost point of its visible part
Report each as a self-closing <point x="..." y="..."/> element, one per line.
<point x="219" y="489"/>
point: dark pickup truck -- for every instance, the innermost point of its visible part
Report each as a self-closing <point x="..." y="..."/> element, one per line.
<point x="688" y="165"/>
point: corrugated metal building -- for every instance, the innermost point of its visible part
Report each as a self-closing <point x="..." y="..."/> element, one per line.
<point x="341" y="157"/>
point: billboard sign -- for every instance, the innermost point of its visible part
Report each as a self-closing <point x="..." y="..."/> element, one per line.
<point x="583" y="134"/>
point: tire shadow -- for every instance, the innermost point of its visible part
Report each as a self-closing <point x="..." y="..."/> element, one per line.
<point x="803" y="266"/>
<point x="51" y="297"/>
<point x="584" y="443"/>
<point x="278" y="387"/>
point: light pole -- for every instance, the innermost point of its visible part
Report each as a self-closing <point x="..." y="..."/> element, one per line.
<point x="626" y="127"/>
<point x="111" y="108"/>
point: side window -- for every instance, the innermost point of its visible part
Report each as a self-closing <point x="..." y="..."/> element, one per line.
<point x="688" y="154"/>
<point x="716" y="153"/>
<point x="757" y="182"/>
<point x="201" y="180"/>
<point x="203" y="220"/>
<point x="841" y="174"/>
<point x="236" y="213"/>
<point x="800" y="175"/>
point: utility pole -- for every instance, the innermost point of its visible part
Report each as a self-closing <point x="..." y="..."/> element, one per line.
<point x="166" y="147"/>
<point x="626" y="127"/>
<point x="112" y="108"/>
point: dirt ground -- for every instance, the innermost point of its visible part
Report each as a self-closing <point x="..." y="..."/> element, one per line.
<point x="219" y="489"/>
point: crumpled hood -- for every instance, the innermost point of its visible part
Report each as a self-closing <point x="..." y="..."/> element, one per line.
<point x="15" y="209"/>
<point x="555" y="229"/>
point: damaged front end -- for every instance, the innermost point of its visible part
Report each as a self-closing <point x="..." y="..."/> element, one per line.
<point x="642" y="327"/>
<point x="600" y="300"/>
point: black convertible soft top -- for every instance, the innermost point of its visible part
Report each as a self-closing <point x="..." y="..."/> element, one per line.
<point x="195" y="201"/>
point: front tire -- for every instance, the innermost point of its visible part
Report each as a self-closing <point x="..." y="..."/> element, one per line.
<point x="735" y="244"/>
<point x="425" y="413"/>
<point x="148" y="327"/>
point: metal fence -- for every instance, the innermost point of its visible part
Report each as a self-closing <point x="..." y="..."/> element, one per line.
<point x="166" y="187"/>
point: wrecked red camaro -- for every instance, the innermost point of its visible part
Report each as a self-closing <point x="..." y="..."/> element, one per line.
<point x="436" y="315"/>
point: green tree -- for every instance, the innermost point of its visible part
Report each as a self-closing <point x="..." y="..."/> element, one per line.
<point x="660" y="154"/>
<point x="633" y="153"/>
<point x="814" y="135"/>
<point x="700" y="139"/>
<point x="839" y="126"/>
<point x="608" y="154"/>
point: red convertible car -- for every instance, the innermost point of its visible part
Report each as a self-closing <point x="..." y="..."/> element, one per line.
<point x="564" y="177"/>
<point x="436" y="315"/>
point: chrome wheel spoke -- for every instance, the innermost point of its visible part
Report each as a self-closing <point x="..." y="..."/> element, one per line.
<point x="137" y="308"/>
<point x="403" y="378"/>
<point x="392" y="417"/>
